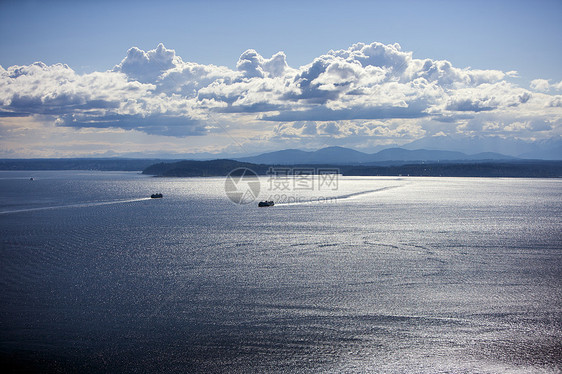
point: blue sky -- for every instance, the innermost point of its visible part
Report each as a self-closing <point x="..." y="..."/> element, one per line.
<point x="94" y="36"/>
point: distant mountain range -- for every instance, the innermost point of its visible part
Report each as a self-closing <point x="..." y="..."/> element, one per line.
<point x="546" y="149"/>
<point x="346" y="156"/>
<point x="529" y="154"/>
<point x="389" y="162"/>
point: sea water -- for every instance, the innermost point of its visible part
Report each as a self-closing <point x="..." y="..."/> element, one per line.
<point x="370" y="275"/>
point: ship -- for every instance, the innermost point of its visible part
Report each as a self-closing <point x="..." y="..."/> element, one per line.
<point x="266" y="203"/>
<point x="156" y="196"/>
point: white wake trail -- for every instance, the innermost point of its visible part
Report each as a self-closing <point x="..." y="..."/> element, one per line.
<point x="80" y="205"/>
<point x="335" y="198"/>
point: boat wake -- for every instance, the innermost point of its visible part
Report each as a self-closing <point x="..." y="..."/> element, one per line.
<point x="348" y="196"/>
<point x="80" y="205"/>
<point x="332" y="199"/>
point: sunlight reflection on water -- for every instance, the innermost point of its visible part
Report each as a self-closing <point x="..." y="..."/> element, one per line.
<point x="397" y="275"/>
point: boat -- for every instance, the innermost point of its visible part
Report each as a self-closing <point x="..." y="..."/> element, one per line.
<point x="156" y="196"/>
<point x="266" y="203"/>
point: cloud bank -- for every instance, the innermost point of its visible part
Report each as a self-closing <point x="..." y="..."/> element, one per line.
<point x="364" y="95"/>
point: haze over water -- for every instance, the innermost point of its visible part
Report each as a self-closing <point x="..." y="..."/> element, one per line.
<point x="392" y="275"/>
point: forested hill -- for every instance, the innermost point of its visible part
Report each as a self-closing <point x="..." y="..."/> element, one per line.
<point x="213" y="168"/>
<point x="528" y="169"/>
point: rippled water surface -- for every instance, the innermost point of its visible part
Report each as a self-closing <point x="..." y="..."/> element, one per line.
<point x="389" y="275"/>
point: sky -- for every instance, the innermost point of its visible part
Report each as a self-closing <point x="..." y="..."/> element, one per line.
<point x="177" y="78"/>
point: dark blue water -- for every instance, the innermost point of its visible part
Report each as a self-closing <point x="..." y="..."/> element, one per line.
<point x="420" y="275"/>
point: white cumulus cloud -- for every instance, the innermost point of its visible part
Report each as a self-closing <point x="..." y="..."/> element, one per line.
<point x="369" y="91"/>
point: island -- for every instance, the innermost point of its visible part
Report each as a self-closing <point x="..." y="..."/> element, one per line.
<point x="514" y="169"/>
